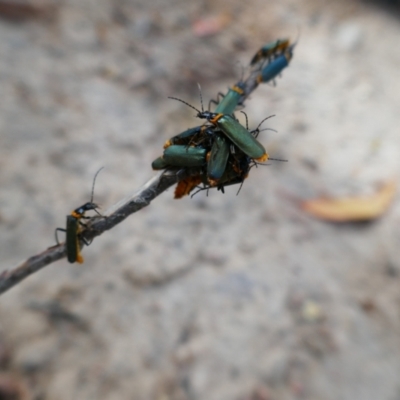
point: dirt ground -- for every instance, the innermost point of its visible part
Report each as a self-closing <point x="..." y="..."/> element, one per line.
<point x="221" y="297"/>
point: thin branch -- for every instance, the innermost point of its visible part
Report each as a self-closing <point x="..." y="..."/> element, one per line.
<point x="114" y="215"/>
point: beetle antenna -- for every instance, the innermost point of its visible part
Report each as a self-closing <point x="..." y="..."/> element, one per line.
<point x="201" y="97"/>
<point x="264" y="120"/>
<point x="277" y="159"/>
<point x="266" y="129"/>
<point x="256" y="132"/>
<point x="184" y="102"/>
<point x="298" y="36"/>
<point x="247" y="121"/>
<point x="94" y="181"/>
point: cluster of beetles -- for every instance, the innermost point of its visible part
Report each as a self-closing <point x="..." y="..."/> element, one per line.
<point x="222" y="151"/>
<point x="222" y="148"/>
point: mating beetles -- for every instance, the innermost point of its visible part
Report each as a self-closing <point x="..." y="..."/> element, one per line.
<point x="276" y="66"/>
<point x="234" y="131"/>
<point x="220" y="148"/>
<point x="240" y="137"/>
<point x="270" y="50"/>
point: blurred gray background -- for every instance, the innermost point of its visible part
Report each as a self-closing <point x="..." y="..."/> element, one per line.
<point x="221" y="297"/>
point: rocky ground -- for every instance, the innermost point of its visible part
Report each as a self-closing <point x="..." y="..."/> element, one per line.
<point x="221" y="297"/>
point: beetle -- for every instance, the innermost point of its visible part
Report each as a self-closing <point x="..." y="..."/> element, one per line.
<point x="184" y="156"/>
<point x="159" y="163"/>
<point x="192" y="136"/>
<point x="231" y="100"/>
<point x="234" y="131"/>
<point x="270" y="50"/>
<point x="220" y="148"/>
<point x="276" y="66"/>
<point x="218" y="158"/>
<point x="235" y="173"/>
<point x="235" y="169"/>
<point x="197" y="137"/>
<point x="74" y="225"/>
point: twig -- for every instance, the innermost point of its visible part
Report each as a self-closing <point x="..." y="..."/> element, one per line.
<point x="132" y="203"/>
<point x="114" y="215"/>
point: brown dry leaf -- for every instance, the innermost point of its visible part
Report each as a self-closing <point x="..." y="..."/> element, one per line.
<point x="352" y="208"/>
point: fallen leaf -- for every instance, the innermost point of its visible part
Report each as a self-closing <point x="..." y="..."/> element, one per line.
<point x="352" y="208"/>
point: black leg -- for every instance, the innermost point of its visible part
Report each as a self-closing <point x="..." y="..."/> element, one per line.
<point x="55" y="233"/>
